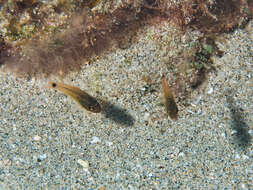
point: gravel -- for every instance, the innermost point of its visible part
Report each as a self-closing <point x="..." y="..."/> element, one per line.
<point x="47" y="141"/>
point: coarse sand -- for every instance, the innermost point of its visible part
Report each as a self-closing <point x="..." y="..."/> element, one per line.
<point x="47" y="141"/>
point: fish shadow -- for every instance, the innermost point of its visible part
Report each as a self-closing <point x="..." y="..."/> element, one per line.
<point x="242" y="136"/>
<point x="116" y="114"/>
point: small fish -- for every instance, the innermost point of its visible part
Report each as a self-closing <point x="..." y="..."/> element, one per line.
<point x="170" y="104"/>
<point x="84" y="99"/>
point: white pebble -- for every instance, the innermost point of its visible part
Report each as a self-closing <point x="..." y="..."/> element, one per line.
<point x="36" y="138"/>
<point x="83" y="163"/>
<point x="233" y="132"/>
<point x="245" y="157"/>
<point x="223" y="135"/>
<point x="146" y="116"/>
<point x="237" y="156"/>
<point x="212" y="175"/>
<point x="190" y="111"/>
<point x="198" y="100"/>
<point x="181" y="154"/>
<point x="42" y="156"/>
<point x="108" y="143"/>
<point x="210" y="91"/>
<point x="95" y="140"/>
<point x="244" y="186"/>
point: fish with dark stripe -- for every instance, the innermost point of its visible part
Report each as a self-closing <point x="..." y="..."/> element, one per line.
<point x="84" y="99"/>
<point x="170" y="104"/>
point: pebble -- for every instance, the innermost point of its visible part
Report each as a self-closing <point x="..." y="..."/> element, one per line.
<point x="36" y="138"/>
<point x="223" y="135"/>
<point x="84" y="164"/>
<point x="146" y="116"/>
<point x="129" y="154"/>
<point x="244" y="186"/>
<point x="245" y="157"/>
<point x="210" y="91"/>
<point x="181" y="154"/>
<point x="95" y="140"/>
<point x="237" y="156"/>
<point x="42" y="156"/>
<point x="191" y="112"/>
<point x="108" y="143"/>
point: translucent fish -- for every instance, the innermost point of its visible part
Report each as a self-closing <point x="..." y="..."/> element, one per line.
<point x="84" y="99"/>
<point x="170" y="104"/>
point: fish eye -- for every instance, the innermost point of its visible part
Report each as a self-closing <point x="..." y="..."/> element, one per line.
<point x="53" y="84"/>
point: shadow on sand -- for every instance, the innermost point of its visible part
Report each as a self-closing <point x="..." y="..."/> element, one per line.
<point x="116" y="114"/>
<point x="242" y="136"/>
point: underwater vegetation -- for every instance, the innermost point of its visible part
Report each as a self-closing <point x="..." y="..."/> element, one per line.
<point x="207" y="16"/>
<point x="4" y="47"/>
<point x="39" y="45"/>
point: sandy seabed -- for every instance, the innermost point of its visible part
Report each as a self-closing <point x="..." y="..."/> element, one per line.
<point x="47" y="141"/>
